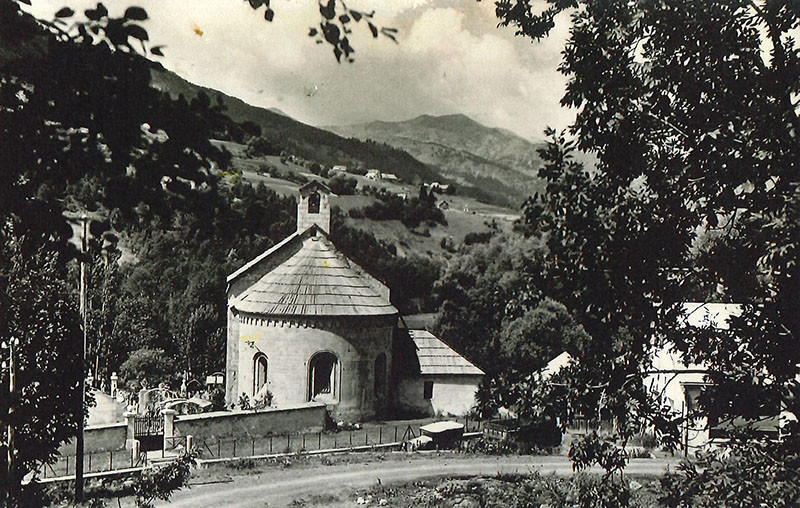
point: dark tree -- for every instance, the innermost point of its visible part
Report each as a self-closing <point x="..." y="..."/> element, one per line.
<point x="690" y="108"/>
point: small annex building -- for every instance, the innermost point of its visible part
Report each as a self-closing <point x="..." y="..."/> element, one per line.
<point x="306" y="323"/>
<point x="445" y="382"/>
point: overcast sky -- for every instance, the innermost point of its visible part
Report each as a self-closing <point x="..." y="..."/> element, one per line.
<point x="451" y="58"/>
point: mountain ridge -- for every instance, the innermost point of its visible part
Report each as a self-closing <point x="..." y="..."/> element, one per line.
<point x="463" y="149"/>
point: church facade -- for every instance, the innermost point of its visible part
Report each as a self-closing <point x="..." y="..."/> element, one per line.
<point x="305" y="323"/>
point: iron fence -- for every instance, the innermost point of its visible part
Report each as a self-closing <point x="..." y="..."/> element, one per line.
<point x="95" y="462"/>
<point x="369" y="435"/>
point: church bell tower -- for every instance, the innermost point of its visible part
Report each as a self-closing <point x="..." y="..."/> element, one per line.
<point x="314" y="207"/>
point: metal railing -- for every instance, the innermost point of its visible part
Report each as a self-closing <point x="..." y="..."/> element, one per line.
<point x="95" y="462"/>
<point x="367" y="436"/>
<point x="299" y="442"/>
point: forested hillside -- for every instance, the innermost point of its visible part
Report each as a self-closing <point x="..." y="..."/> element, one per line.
<point x="301" y="139"/>
<point x="326" y="147"/>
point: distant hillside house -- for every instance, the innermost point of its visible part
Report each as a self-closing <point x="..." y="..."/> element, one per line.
<point x="390" y="177"/>
<point x="306" y="323"/>
<point x="337" y="170"/>
<point x="373" y="174"/>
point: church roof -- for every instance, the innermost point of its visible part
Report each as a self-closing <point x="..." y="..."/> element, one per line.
<point x="313" y="280"/>
<point x="436" y="357"/>
<point x="314" y="185"/>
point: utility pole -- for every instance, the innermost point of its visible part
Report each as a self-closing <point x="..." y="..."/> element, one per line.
<point x="84" y="313"/>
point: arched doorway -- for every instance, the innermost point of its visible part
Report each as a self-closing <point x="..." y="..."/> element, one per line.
<point x="259" y="373"/>
<point x="380" y="377"/>
<point x="323" y="377"/>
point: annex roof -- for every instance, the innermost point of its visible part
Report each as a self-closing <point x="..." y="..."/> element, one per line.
<point x="418" y="321"/>
<point x="436" y="357"/>
<point x="314" y="280"/>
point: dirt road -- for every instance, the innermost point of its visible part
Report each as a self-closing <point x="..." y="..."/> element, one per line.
<point x="281" y="487"/>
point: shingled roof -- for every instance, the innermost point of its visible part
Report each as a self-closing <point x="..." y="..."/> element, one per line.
<point x="436" y="357"/>
<point x="315" y="280"/>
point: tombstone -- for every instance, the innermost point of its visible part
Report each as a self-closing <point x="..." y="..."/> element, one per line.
<point x="114" y="381"/>
<point x="144" y="399"/>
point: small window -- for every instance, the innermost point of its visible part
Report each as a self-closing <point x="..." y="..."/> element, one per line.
<point x="313" y="202"/>
<point x="427" y="390"/>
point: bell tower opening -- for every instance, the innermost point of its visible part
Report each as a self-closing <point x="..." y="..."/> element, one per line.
<point x="313" y="202"/>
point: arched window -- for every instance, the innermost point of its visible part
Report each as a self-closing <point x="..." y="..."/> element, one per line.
<point x="259" y="373"/>
<point x="323" y="377"/>
<point x="313" y="202"/>
<point x="380" y="377"/>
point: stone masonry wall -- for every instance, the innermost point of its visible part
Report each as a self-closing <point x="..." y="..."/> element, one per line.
<point x="289" y="346"/>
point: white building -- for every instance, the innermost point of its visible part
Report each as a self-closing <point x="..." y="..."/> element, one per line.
<point x="678" y="383"/>
<point x="446" y="383"/>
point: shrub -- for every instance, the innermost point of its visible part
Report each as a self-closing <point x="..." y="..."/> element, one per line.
<point x="343" y="185"/>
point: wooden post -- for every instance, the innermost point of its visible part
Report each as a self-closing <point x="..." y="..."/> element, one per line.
<point x="253" y="450"/>
<point x="234" y="447"/>
<point x="380" y="435"/>
<point x="270" y="444"/>
<point x="319" y="441"/>
<point x="110" y="460"/>
<point x="84" y="315"/>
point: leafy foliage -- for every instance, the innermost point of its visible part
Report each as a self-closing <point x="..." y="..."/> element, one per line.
<point x="38" y="313"/>
<point x="411" y="212"/>
<point x="146" y="368"/>
<point x="161" y="482"/>
<point x="692" y="135"/>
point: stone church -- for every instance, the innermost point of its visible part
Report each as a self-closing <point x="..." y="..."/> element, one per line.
<point x="306" y="323"/>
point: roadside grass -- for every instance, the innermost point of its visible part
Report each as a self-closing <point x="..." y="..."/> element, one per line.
<point x="499" y="491"/>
